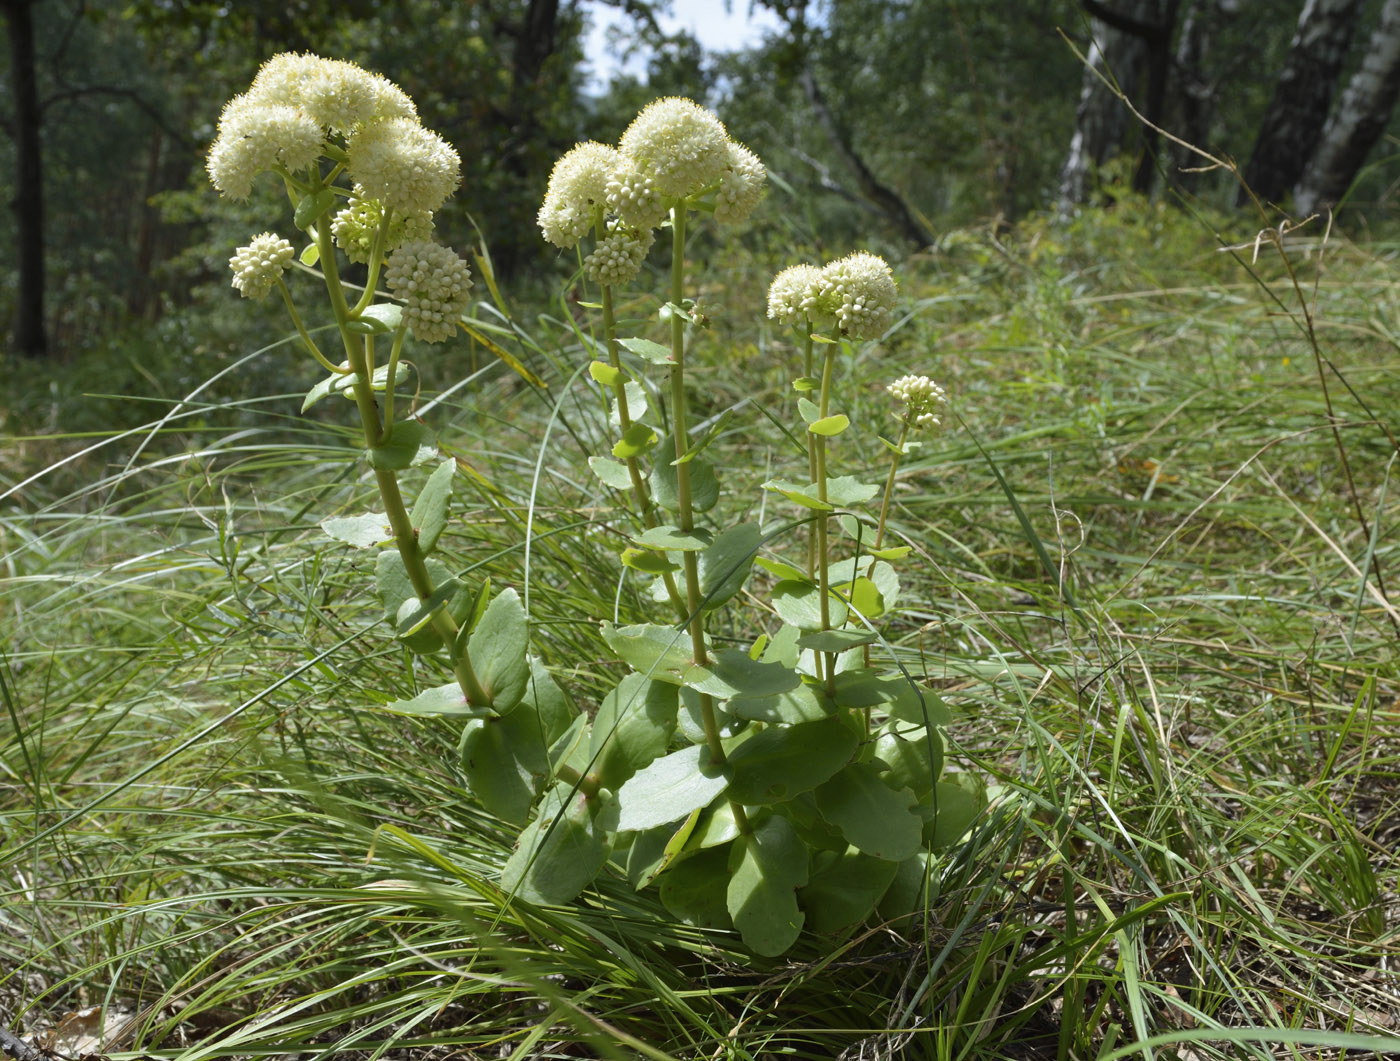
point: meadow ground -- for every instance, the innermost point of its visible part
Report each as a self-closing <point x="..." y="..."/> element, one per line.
<point x="1156" y="579"/>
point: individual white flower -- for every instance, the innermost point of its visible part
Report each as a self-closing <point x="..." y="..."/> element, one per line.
<point x="922" y="397"/>
<point x="434" y="285"/>
<point x="257" y="266"/>
<point x="741" y="185"/>
<point x="679" y="144"/>
<point x="858" y="290"/>
<point x="792" y="296"/>
<point x="618" y="257"/>
<point x="406" y="167"/>
<point x="355" y="226"/>
<point x="254" y="137"/>
<point x="578" y="185"/>
<point x="633" y="197"/>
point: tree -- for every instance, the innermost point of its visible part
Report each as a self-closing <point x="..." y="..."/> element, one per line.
<point x="1292" y="125"/>
<point x="30" y="337"/>
<point x="1359" y="120"/>
<point x="1131" y="49"/>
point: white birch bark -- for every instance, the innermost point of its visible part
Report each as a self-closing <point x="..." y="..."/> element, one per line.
<point x="1359" y="120"/>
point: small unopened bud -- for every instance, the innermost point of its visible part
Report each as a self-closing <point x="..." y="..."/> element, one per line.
<point x="257" y="266"/>
<point x="921" y="397"/>
<point x="434" y="285"/>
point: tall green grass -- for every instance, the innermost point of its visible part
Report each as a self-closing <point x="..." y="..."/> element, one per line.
<point x="1140" y="587"/>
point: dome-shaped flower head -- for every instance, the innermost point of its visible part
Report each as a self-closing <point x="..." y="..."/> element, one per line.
<point x="335" y="94"/>
<point x="354" y="227"/>
<point x="618" y="257"/>
<point x="257" y="266"/>
<point x="858" y="290"/>
<point x="434" y="285"/>
<point x="406" y="167"/>
<point x="254" y="137"/>
<point x="792" y="296"/>
<point x="680" y="145"/>
<point x="922" y="398"/>
<point x="633" y="197"/>
<point x="740" y="186"/>
<point x="578" y="186"/>
<point x="281" y="78"/>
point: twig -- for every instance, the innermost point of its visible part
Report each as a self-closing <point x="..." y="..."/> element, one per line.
<point x="12" y="1045"/>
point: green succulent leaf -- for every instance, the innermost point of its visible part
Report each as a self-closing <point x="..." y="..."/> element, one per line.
<point x="804" y="495"/>
<point x="801" y="704"/>
<point x="848" y="490"/>
<point x="765" y="868"/>
<point x="635" y="441"/>
<point x="673" y="538"/>
<point x="799" y="604"/>
<point x="312" y="206"/>
<point x="665" y="482"/>
<point x="610" y="473"/>
<point x="647" y="350"/>
<point x="648" y="561"/>
<point x="605" y="374"/>
<point x="725" y="563"/>
<point x="410" y="442"/>
<point x="844" y="889"/>
<point x="498" y="650"/>
<point x="360" y="531"/>
<point x="778" y="763"/>
<point x="659" y="652"/>
<point x="632" y="728"/>
<point x="829" y="426"/>
<point x="694" y="892"/>
<point x="873" y="817"/>
<point x="957" y="802"/>
<point x="669" y="788"/>
<point x="441" y="700"/>
<point x="914" y="763"/>
<point x="506" y="763"/>
<point x="560" y="852"/>
<point x="810" y="411"/>
<point x="429" y="515"/>
<point x="896" y="695"/>
<point x="836" y="640"/>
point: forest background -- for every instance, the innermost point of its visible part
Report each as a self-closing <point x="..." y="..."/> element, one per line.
<point x="1154" y="537"/>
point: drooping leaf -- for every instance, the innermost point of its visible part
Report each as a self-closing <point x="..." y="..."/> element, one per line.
<point x="635" y="441"/>
<point x="765" y="868"/>
<point x="360" y="531"/>
<point x="441" y="700"/>
<point x="429" y="515"/>
<point x="725" y="563"/>
<point x="673" y="538"/>
<point x="799" y="604"/>
<point x="659" y="652"/>
<point x="957" y="801"/>
<point x="410" y="442"/>
<point x="873" y="817"/>
<point x="844" y="889"/>
<point x="781" y="761"/>
<point x="610" y="473"/>
<point x="559" y="853"/>
<point x="670" y="788"/>
<point x="694" y="891"/>
<point x="498" y="648"/>
<point x="505" y="763"/>
<point x="633" y="727"/>
<point x="647" y="350"/>
<point x="665" y="480"/>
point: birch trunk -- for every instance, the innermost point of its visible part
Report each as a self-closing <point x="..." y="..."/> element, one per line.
<point x="1361" y="117"/>
<point x="1292" y="125"/>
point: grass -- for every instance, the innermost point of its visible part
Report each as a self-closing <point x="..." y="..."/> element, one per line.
<point x="1140" y="587"/>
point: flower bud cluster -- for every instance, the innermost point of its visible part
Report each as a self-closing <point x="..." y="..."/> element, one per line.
<point x="354" y="227"/>
<point x="922" y="398"/>
<point x="674" y="151"/>
<point x="257" y="266"/>
<point x="856" y="294"/>
<point x="433" y="283"/>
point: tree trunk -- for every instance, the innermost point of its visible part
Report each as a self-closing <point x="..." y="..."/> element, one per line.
<point x="1292" y="125"/>
<point x="1197" y="91"/>
<point x="1361" y="117"/>
<point x="28" y="202"/>
<point x="1131" y="47"/>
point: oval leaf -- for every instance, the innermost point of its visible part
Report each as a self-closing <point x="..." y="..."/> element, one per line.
<point x="498" y="648"/>
<point x="765" y="867"/>
<point x="670" y="788"/>
<point x="782" y="761"/>
<point x="873" y="817"/>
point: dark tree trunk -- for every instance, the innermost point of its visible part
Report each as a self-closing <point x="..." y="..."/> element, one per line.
<point x="1361" y="117"/>
<point x="1132" y="49"/>
<point x="1292" y="125"/>
<point x="28" y="201"/>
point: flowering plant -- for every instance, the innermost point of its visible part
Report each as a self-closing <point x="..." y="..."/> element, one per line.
<point x="764" y="788"/>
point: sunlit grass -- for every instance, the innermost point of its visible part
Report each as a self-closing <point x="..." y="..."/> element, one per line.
<point x="1167" y="664"/>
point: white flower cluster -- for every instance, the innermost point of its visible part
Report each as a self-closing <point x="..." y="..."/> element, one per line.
<point x="298" y="102"/>
<point x="856" y="293"/>
<point x="673" y="150"/>
<point x="858" y="290"/>
<point x="433" y="283"/>
<point x="257" y="266"/>
<point x="792" y="296"/>
<point x="355" y="226"/>
<point x="922" y="397"/>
